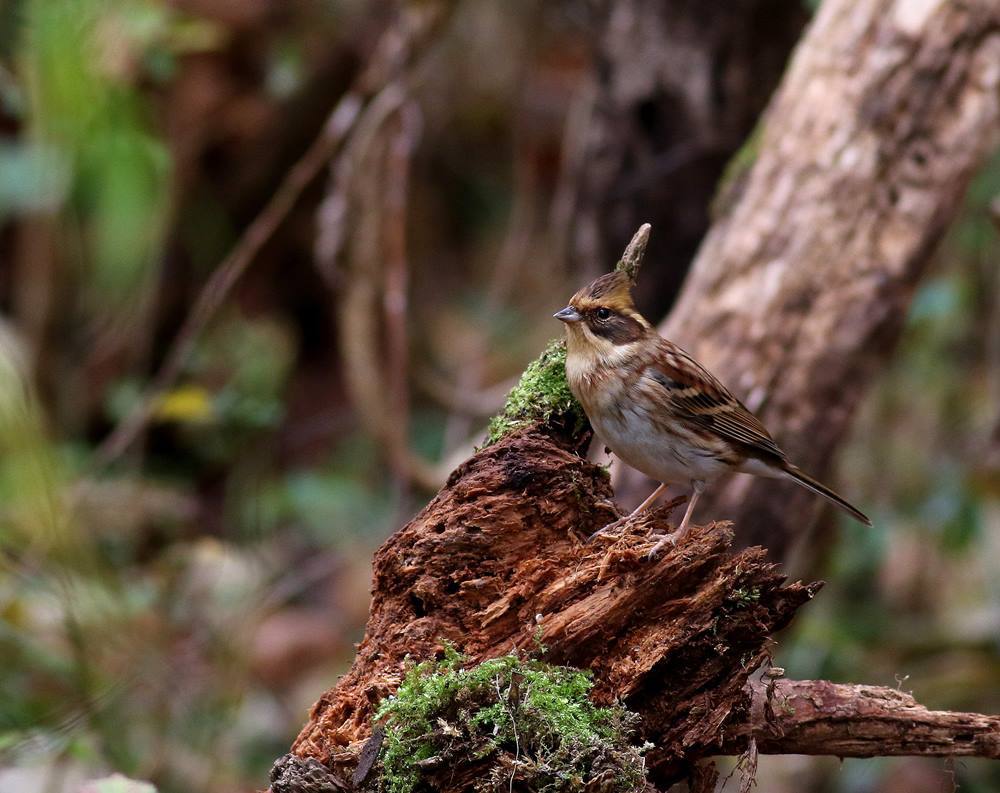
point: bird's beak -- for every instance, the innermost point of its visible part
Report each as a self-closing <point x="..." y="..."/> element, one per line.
<point x="568" y="314"/>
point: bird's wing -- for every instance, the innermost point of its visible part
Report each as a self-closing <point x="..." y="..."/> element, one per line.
<point x="692" y="393"/>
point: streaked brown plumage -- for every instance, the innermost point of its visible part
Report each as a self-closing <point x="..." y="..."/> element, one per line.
<point x="658" y="409"/>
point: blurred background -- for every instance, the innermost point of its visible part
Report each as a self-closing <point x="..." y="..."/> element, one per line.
<point x="240" y="346"/>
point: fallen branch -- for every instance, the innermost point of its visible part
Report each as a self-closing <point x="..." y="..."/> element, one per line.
<point x="819" y="717"/>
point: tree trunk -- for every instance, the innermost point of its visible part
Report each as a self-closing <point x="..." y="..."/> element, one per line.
<point x="800" y="289"/>
<point x="680" y="85"/>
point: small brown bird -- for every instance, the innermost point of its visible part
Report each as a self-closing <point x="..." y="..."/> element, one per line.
<point x="658" y="409"/>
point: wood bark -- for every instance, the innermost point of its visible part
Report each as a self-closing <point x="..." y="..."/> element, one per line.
<point x="800" y="289"/>
<point x="819" y="717"/>
<point x="678" y="87"/>
<point x="495" y="563"/>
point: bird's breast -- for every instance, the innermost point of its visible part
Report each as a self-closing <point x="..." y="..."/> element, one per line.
<point x="641" y="431"/>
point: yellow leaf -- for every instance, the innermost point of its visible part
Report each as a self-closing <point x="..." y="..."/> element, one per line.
<point x="186" y="403"/>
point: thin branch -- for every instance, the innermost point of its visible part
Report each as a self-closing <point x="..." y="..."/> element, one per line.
<point x="513" y="252"/>
<point x="333" y="216"/>
<point x="230" y="270"/>
<point x="370" y="179"/>
<point x="395" y="303"/>
<point x="392" y="54"/>
<point x="748" y="763"/>
<point x="480" y="403"/>
<point x="816" y="717"/>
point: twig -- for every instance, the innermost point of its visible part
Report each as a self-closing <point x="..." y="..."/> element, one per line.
<point x="392" y="53"/>
<point x="230" y="270"/>
<point x="396" y="279"/>
<point x="503" y="278"/>
<point x="513" y="725"/>
<point x="359" y="315"/>
<point x="332" y="215"/>
<point x="749" y="766"/>
<point x="378" y="268"/>
<point x="478" y="403"/>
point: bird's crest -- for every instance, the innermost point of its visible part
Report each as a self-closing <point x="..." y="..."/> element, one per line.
<point x="613" y="290"/>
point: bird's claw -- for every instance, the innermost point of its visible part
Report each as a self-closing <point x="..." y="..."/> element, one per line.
<point x="611" y="526"/>
<point x="670" y="539"/>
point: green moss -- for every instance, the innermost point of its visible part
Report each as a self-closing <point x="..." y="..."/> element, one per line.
<point x="513" y="714"/>
<point x="745" y="597"/>
<point x="733" y="177"/>
<point x="541" y="396"/>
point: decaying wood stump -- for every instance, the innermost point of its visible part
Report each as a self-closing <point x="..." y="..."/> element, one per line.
<point x="496" y="563"/>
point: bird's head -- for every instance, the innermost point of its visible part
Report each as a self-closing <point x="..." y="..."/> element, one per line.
<point x="602" y="316"/>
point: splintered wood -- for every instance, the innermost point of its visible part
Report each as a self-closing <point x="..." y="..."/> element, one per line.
<point x="496" y="563"/>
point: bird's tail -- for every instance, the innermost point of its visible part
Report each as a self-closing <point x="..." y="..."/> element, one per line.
<point x="819" y="488"/>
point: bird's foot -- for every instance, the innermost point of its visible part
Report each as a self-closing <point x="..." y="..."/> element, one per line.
<point x="609" y="528"/>
<point x="667" y="539"/>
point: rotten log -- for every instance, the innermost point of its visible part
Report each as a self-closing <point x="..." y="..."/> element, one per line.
<point x="496" y="563"/>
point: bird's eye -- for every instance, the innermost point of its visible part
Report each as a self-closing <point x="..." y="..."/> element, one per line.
<point x="603" y="314"/>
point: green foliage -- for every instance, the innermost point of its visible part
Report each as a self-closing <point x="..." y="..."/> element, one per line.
<point x="89" y="122"/>
<point x="520" y="717"/>
<point x="116" y="783"/>
<point x="542" y="395"/>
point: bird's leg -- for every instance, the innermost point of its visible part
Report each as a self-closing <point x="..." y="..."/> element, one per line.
<point x="676" y="536"/>
<point x="638" y="510"/>
<point x="650" y="499"/>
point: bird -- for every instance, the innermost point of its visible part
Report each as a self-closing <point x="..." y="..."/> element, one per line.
<point x="660" y="411"/>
